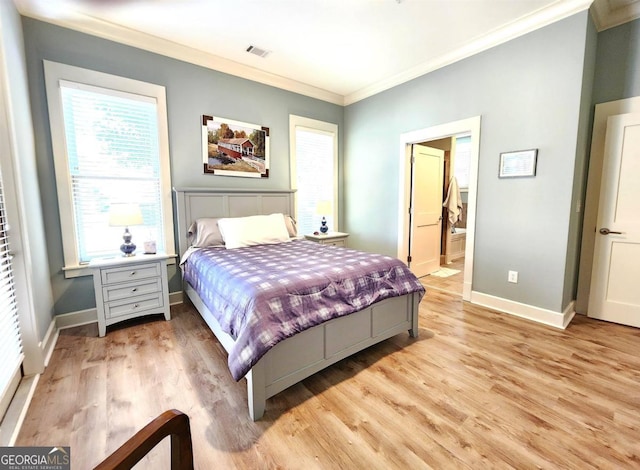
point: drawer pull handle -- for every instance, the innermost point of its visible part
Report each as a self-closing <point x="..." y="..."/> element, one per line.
<point x="135" y="289"/>
<point x="133" y="273"/>
<point x="136" y="305"/>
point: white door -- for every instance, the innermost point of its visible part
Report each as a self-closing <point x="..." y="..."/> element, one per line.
<point x="615" y="291"/>
<point x="426" y="209"/>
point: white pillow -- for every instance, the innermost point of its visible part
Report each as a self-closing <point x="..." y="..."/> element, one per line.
<point x="253" y="230"/>
<point x="292" y="227"/>
<point x="205" y="232"/>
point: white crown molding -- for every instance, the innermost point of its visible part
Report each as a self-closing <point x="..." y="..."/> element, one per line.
<point x="606" y="17"/>
<point x="107" y="30"/>
<point x="520" y="27"/>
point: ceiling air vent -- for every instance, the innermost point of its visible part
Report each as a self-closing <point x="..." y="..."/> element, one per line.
<point x="257" y="51"/>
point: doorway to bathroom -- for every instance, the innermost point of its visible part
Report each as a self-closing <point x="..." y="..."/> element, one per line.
<point x="456" y="267"/>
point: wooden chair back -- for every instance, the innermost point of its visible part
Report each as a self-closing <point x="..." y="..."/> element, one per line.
<point x="172" y="422"/>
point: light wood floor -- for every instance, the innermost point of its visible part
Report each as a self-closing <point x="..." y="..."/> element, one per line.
<point x="476" y="390"/>
<point x="452" y="284"/>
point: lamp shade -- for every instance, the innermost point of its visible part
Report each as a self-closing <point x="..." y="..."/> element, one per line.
<point x="323" y="208"/>
<point x="125" y="215"/>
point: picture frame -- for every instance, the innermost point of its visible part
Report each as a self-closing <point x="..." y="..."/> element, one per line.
<point x="517" y="164"/>
<point x="234" y="148"/>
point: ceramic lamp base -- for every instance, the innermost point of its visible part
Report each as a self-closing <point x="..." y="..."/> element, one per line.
<point x="323" y="226"/>
<point x="128" y="247"/>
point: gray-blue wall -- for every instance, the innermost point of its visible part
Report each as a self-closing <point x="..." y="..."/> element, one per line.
<point x="529" y="93"/>
<point x="585" y="125"/>
<point x="618" y="63"/>
<point x="191" y="92"/>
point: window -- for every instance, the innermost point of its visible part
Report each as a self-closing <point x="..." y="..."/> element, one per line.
<point x="10" y="343"/>
<point x="110" y="145"/>
<point x="463" y="161"/>
<point x="314" y="170"/>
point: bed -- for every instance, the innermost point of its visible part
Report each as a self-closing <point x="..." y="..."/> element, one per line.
<point x="325" y="338"/>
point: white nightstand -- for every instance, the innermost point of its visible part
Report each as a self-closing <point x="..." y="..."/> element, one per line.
<point x="330" y="238"/>
<point x="129" y="287"/>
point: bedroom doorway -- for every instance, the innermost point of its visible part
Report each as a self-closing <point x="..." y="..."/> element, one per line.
<point x="470" y="127"/>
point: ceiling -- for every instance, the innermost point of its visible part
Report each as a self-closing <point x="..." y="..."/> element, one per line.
<point x="339" y="51"/>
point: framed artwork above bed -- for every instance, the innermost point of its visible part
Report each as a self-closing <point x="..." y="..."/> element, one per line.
<point x="234" y="148"/>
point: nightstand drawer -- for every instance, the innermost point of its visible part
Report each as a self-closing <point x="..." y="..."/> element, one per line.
<point x="119" y="291"/>
<point x="330" y="238"/>
<point x="131" y="273"/>
<point x="133" y="305"/>
<point x="130" y="287"/>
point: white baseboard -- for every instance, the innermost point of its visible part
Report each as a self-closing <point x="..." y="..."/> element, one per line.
<point x="48" y="343"/>
<point x="569" y="313"/>
<point x="85" y="317"/>
<point x="176" y="298"/>
<point x="548" y="317"/>
<point x="466" y="291"/>
<point x="81" y="317"/>
<point x="14" y="417"/>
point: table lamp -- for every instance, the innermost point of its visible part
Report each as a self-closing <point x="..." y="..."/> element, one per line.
<point x="125" y="215"/>
<point x="323" y="208"/>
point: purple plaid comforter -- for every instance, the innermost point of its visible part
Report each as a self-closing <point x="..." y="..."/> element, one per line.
<point x="264" y="294"/>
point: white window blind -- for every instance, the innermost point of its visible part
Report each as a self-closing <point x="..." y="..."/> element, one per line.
<point x="314" y="162"/>
<point x="463" y="161"/>
<point x="112" y="151"/>
<point x="10" y="343"/>
<point x="110" y="144"/>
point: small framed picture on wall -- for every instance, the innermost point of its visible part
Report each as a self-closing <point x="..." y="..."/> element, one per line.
<point x="518" y="164"/>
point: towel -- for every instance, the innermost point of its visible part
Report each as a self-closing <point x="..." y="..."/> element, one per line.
<point x="453" y="202"/>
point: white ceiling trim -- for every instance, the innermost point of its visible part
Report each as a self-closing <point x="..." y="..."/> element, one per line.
<point x="536" y="20"/>
<point x="107" y="30"/>
<point x="606" y="16"/>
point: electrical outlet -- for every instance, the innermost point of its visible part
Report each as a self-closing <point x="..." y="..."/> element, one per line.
<point x="513" y="277"/>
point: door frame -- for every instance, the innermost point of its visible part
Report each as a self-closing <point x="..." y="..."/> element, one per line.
<point x="592" y="197"/>
<point x="465" y="126"/>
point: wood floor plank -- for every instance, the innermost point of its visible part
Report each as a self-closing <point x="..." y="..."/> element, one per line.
<point x="476" y="389"/>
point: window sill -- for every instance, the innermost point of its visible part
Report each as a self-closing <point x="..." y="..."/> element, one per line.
<point x="81" y="270"/>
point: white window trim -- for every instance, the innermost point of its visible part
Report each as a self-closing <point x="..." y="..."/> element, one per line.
<point x="300" y="122"/>
<point x="56" y="72"/>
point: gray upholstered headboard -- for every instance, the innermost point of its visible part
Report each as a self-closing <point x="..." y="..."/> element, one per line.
<point x="194" y="203"/>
